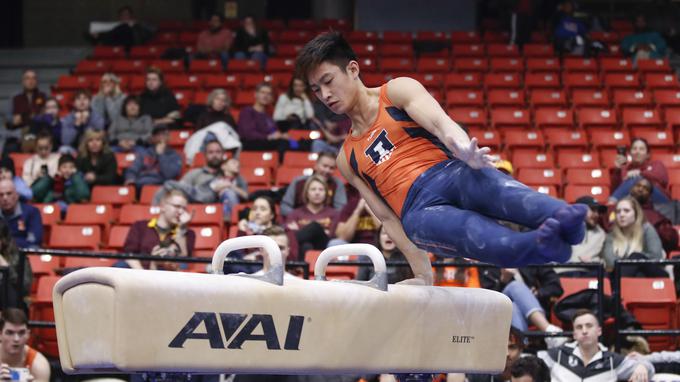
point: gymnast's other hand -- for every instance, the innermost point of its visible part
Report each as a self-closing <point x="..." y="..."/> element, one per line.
<point x="471" y="154"/>
<point x="5" y="372"/>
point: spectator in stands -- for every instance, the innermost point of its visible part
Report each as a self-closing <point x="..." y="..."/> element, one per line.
<point x="632" y="237"/>
<point x="516" y="344"/>
<point x="625" y="174"/>
<point x="196" y="184"/>
<point x="261" y="216"/>
<point x="10" y="257"/>
<point x="215" y="42"/>
<point x="643" y="43"/>
<point x="293" y="109"/>
<point x="130" y="130"/>
<point x="155" y="164"/>
<point x="590" y="249"/>
<point x="355" y="223"/>
<point x="230" y="186"/>
<point x="157" y="101"/>
<point x="392" y="254"/>
<point x="48" y="122"/>
<point x="529" y="369"/>
<point x="24" y="220"/>
<point x="7" y="172"/>
<point x="28" y="103"/>
<point x="587" y="359"/>
<point x="109" y="100"/>
<point x="166" y="235"/>
<point x="256" y="127"/>
<point x="66" y="187"/>
<point x="15" y="352"/>
<point x="570" y="34"/>
<point x="310" y="224"/>
<point x="44" y="161"/>
<point x="128" y="33"/>
<point x="325" y="167"/>
<point x="251" y="42"/>
<point x="642" y="192"/>
<point x="525" y="286"/>
<point x="96" y="161"/>
<point x="81" y="118"/>
<point x="333" y="128"/>
<point x="219" y="103"/>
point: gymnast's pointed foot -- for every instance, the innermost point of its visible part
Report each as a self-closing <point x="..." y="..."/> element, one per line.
<point x="572" y="222"/>
<point x="550" y="244"/>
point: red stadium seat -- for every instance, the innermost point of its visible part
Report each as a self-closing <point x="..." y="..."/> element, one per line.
<point x="538" y="50"/>
<point x="577" y="159"/>
<point x="243" y="66"/>
<point x="257" y="176"/>
<point x="542" y="81"/>
<point x="590" y="98"/>
<point x="597" y="117"/>
<point x="148" y="191"/>
<point x="206" y="214"/>
<point x="565" y="137"/>
<point x="177" y="82"/>
<point x="205" y="66"/>
<point x="520" y="138"/>
<point x="510" y="117"/>
<point x="468" y="50"/>
<point x="462" y="80"/>
<point x="108" y="52"/>
<point x="469" y="116"/>
<point x="365" y="37"/>
<point x="169" y="66"/>
<point x="553" y="117"/>
<point x="396" y="50"/>
<point x="578" y="64"/>
<point x="397" y="64"/>
<point x="573" y="192"/>
<point x="97" y="67"/>
<point x="146" y="52"/>
<point x="609" y="138"/>
<point x="464" y="97"/>
<point x="130" y="213"/>
<point x="465" y="37"/>
<point x="86" y="262"/>
<point x="502" y="50"/>
<point x="285" y="175"/>
<point x="613" y="64"/>
<point x="581" y="80"/>
<point x="630" y="97"/>
<point x="471" y="65"/>
<point x="486" y="138"/>
<point x="19" y="159"/>
<point x="73" y="83"/>
<point x="207" y="237"/>
<point x="622" y="81"/>
<point x="84" y="237"/>
<point x="300" y="159"/>
<point x="534" y="65"/>
<point x="433" y="65"/>
<point x="116" y="195"/>
<point x="654" y="136"/>
<point x="398" y="37"/>
<point x="505" y="97"/>
<point x="670" y="160"/>
<point x="672" y="117"/>
<point x="229" y="82"/>
<point x="588" y="177"/>
<point x="493" y="35"/>
<point x="667" y="98"/>
<point x="507" y="64"/>
<point x="641" y="117"/>
<point x="531" y="158"/>
<point x="661" y="81"/>
<point x="652" y="301"/>
<point x="537" y="176"/>
<point x="548" y="97"/>
<point x="502" y="81"/>
<point x="259" y="158"/>
<point x="654" y="66"/>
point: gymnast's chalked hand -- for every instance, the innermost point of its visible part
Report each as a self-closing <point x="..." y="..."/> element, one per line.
<point x="474" y="156"/>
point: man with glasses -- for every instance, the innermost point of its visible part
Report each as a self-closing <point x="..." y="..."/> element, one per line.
<point x="165" y="235"/>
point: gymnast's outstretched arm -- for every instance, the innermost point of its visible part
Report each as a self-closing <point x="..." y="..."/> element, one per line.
<point x="410" y="95"/>
<point x="417" y="258"/>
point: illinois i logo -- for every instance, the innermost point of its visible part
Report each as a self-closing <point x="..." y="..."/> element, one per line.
<point x="381" y="149"/>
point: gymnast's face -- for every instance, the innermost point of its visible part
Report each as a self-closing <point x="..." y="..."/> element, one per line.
<point x="14" y="338"/>
<point x="336" y="87"/>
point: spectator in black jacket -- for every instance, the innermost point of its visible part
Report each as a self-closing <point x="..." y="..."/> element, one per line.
<point x="95" y="159"/>
<point x="251" y="42"/>
<point x="157" y="101"/>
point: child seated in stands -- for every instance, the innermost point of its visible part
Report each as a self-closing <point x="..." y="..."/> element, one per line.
<point x="230" y="186"/>
<point x="66" y="187"/>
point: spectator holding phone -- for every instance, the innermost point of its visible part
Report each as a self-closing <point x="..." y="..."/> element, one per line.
<point x="18" y="361"/>
<point x="637" y="164"/>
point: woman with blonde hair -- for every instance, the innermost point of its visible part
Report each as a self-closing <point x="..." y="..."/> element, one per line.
<point x="96" y="160"/>
<point x="632" y="237"/>
<point x="109" y="99"/>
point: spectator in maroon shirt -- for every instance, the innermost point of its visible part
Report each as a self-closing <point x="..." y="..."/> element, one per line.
<point x="166" y="235"/>
<point x="310" y="225"/>
<point x="27" y="105"/>
<point x="215" y="41"/>
<point x="626" y="174"/>
<point x="642" y="192"/>
<point x="257" y="128"/>
<point x="355" y="223"/>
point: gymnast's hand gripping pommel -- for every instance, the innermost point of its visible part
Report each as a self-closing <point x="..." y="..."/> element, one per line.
<point x="123" y="320"/>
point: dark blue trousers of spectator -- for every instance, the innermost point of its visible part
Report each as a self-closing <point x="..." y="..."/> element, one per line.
<point x="452" y="210"/>
<point x="624" y="188"/>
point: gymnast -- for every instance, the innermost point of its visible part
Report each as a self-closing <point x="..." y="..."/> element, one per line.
<point x="431" y="185"/>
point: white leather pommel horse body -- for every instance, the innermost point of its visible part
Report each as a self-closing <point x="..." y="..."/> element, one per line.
<point x="121" y="320"/>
